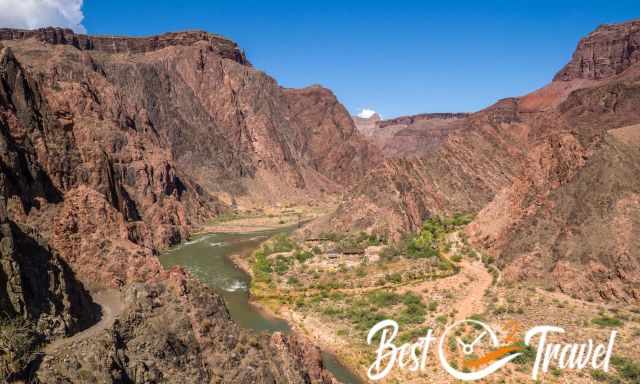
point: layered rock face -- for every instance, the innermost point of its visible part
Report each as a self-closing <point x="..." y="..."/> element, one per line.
<point x="199" y="345"/>
<point x="607" y="51"/>
<point x="87" y="174"/>
<point x="117" y="44"/>
<point x="411" y="136"/>
<point x="553" y="177"/>
<point x="367" y="125"/>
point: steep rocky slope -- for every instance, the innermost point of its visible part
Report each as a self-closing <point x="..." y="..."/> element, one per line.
<point x="113" y="148"/>
<point x="553" y="177"/>
<point x="199" y="345"/>
<point x="116" y="146"/>
<point x="462" y="174"/>
<point x="37" y="286"/>
<point x="570" y="219"/>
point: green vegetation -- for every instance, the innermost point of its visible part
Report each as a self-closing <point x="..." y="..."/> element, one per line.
<point x="302" y="256"/>
<point x="528" y="354"/>
<point x="373" y="307"/>
<point x="607" y="321"/>
<point x="383" y="299"/>
<point x="603" y="377"/>
<point x="628" y="369"/>
<point x="430" y="240"/>
<point x="282" y="243"/>
<point x="282" y="264"/>
<point x="262" y="267"/>
<point x="18" y="344"/>
<point x="394" y="278"/>
<point x="414" y="311"/>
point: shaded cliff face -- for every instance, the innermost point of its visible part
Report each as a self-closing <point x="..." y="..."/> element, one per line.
<point x="87" y="173"/>
<point x="37" y="286"/>
<point x="115" y="147"/>
<point x="199" y="345"/>
<point x="552" y="175"/>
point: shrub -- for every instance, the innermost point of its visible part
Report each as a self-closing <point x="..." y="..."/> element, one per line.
<point x="414" y="311"/>
<point x="603" y="377"/>
<point x="302" y="256"/>
<point x="627" y="368"/>
<point x="282" y="243"/>
<point x="262" y="266"/>
<point x="607" y="321"/>
<point x="461" y="219"/>
<point x="363" y="318"/>
<point x="282" y="264"/>
<point x="383" y="299"/>
<point x="18" y="343"/>
<point x="411" y="298"/>
<point x="389" y="252"/>
<point x="528" y="354"/>
<point x="444" y="265"/>
<point x="393" y="278"/>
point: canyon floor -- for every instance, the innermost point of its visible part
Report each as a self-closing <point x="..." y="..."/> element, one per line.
<point x="334" y="287"/>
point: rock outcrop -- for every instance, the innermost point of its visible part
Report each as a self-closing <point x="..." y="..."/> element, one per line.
<point x="604" y="53"/>
<point x="461" y="174"/>
<point x="37" y="286"/>
<point x="130" y="45"/>
<point x="199" y="345"/>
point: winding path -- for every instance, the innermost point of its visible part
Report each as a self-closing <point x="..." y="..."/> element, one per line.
<point x="111" y="305"/>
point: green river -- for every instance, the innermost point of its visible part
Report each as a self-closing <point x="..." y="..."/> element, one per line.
<point x="207" y="258"/>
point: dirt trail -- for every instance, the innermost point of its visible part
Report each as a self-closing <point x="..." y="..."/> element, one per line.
<point x="110" y="302"/>
<point x="472" y="303"/>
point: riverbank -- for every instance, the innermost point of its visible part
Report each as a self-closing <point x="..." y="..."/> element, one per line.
<point x="208" y="256"/>
<point x="334" y="289"/>
<point x="263" y="219"/>
<point x="309" y="327"/>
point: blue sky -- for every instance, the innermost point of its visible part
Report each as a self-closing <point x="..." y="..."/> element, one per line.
<point x="397" y="57"/>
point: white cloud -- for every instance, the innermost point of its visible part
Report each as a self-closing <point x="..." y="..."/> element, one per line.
<point x="366" y="113"/>
<point x="31" y="14"/>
